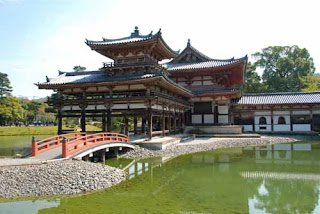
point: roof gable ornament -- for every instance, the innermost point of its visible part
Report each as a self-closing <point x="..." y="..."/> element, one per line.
<point x="188" y="44"/>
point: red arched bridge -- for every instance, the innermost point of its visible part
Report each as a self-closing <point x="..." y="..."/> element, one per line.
<point x="78" y="145"/>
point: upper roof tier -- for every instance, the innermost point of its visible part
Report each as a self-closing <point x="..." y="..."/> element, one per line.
<point x="154" y="42"/>
<point x="191" y="58"/>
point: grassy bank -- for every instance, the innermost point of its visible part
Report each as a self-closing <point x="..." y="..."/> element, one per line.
<point x="36" y="130"/>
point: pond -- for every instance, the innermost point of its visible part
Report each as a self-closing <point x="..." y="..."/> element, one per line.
<point x="12" y="145"/>
<point x="283" y="178"/>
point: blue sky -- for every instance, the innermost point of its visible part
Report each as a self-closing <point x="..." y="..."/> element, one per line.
<point x="40" y="37"/>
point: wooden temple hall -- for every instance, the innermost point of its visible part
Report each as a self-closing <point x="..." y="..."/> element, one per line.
<point x="190" y="93"/>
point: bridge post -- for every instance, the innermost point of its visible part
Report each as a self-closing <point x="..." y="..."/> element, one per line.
<point x="33" y="146"/>
<point x="64" y="147"/>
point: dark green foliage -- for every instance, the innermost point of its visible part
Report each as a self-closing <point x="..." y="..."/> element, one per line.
<point x="5" y="88"/>
<point x="79" y="68"/>
<point x="253" y="80"/>
<point x="284" y="68"/>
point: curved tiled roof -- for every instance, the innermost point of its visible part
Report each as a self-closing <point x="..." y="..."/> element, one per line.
<point x="279" y="98"/>
<point x="66" y="78"/>
<point x="129" y="39"/>
<point x="207" y="64"/>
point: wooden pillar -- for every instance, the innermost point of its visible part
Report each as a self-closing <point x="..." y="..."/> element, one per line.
<point x="109" y="120"/>
<point x="149" y="124"/>
<point x="291" y="125"/>
<point x="169" y="122"/>
<point x="135" y="123"/>
<point x="174" y="122"/>
<point x="83" y="118"/>
<point x="216" y="114"/>
<point x="163" y="124"/>
<point x="143" y="125"/>
<point x="179" y="122"/>
<point x="272" y="122"/>
<point x="104" y="121"/>
<point x="183" y="121"/>
<point x="311" y="119"/>
<point x="59" y="120"/>
<point x="126" y="128"/>
<point x="229" y="115"/>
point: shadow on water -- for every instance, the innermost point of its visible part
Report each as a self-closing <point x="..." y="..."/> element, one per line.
<point x="283" y="178"/>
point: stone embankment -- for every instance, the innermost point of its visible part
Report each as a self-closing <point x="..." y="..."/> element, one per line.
<point x="55" y="178"/>
<point x="206" y="144"/>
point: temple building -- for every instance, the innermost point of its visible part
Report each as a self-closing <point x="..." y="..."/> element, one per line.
<point x="191" y="93"/>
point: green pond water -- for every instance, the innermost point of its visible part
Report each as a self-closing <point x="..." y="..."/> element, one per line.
<point x="12" y="145"/>
<point x="283" y="178"/>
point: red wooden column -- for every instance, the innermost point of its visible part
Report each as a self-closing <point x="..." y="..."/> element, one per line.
<point x="109" y="120"/>
<point x="59" y="120"/>
<point x="104" y="121"/>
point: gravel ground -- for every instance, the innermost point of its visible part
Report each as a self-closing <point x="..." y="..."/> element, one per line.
<point x="206" y="144"/>
<point x="55" y="178"/>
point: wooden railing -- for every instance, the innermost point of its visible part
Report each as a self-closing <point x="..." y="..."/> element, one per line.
<point x="38" y="147"/>
<point x="71" y="146"/>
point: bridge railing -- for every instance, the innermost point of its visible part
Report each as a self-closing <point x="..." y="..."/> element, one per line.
<point x="71" y="146"/>
<point x="38" y="147"/>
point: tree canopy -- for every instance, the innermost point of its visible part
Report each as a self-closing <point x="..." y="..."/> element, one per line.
<point x="5" y="87"/>
<point x="284" y="68"/>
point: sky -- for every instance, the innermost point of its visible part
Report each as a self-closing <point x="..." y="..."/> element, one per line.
<point x="40" y="37"/>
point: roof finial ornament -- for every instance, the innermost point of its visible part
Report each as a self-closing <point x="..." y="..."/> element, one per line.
<point x="135" y="32"/>
<point x="188" y="44"/>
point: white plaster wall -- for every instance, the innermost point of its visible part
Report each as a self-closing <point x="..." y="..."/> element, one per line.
<point x="196" y="78"/>
<point x="138" y="86"/>
<point x="76" y="108"/>
<point x="276" y="118"/>
<point x="77" y="89"/>
<point x="316" y="112"/>
<point x="262" y="113"/>
<point x="121" y="88"/>
<point x="207" y="82"/>
<point x="223" y="119"/>
<point x="196" y="83"/>
<point x="208" y="118"/>
<point x="247" y="128"/>
<point x="101" y="107"/>
<point x="91" y="89"/>
<point x="91" y="107"/>
<point x="223" y="109"/>
<point x="137" y="105"/>
<point x="182" y="83"/>
<point x="257" y="118"/>
<point x="301" y="127"/>
<point x="66" y="108"/>
<point x="207" y="77"/>
<point x="281" y="128"/>
<point x="197" y="118"/>
<point x="119" y="106"/>
<point x="268" y="128"/>
<point x="300" y="112"/>
<point x="281" y="113"/>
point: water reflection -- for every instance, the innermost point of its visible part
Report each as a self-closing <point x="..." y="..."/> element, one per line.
<point x="27" y="207"/>
<point x="268" y="179"/>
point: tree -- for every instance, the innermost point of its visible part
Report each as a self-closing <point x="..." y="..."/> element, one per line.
<point x="312" y="83"/>
<point x="79" y="68"/>
<point x="11" y="111"/>
<point x="284" y="68"/>
<point x="5" y="87"/>
<point x="253" y="80"/>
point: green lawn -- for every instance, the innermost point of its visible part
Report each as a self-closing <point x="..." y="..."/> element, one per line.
<point x="36" y="130"/>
